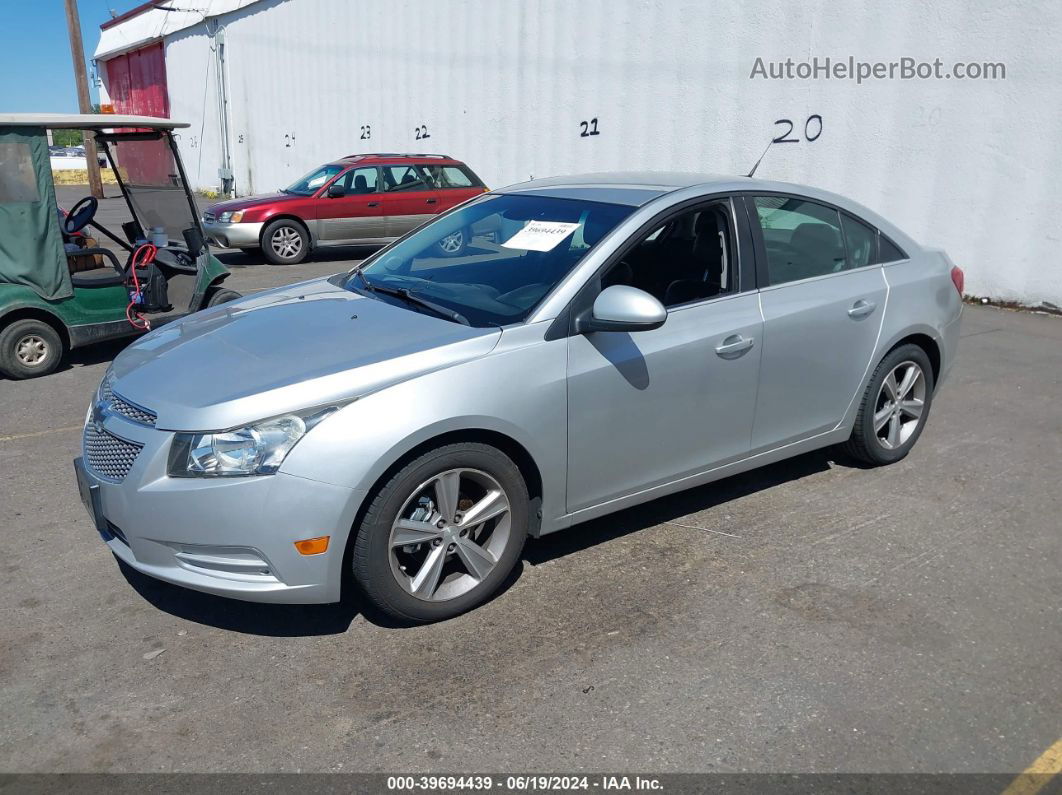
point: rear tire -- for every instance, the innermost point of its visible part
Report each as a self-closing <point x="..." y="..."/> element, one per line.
<point x="221" y="295"/>
<point x="285" y="242"/>
<point x="894" y="408"/>
<point x="420" y="571"/>
<point x="30" y="348"/>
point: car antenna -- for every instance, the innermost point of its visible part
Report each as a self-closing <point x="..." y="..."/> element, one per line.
<point x="761" y="159"/>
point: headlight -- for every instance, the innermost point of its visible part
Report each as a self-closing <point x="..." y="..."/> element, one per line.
<point x="257" y="449"/>
<point x="231" y="217"/>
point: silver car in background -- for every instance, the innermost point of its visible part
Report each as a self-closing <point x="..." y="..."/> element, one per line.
<point x="602" y="341"/>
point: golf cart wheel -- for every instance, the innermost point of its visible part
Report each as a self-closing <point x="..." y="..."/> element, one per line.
<point x="29" y="348"/>
<point x="442" y="534"/>
<point x="220" y="295"/>
<point x="455" y="243"/>
<point x="285" y="242"/>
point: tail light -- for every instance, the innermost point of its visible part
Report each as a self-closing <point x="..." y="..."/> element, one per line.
<point x="958" y="278"/>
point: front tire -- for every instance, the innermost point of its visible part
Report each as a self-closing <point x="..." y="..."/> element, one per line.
<point x="285" y="242"/>
<point x="894" y="408"/>
<point x="442" y="534"/>
<point x="29" y="348"/>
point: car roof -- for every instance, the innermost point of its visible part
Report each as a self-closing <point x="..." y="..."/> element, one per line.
<point x="383" y="158"/>
<point x="87" y="121"/>
<point x="637" y="188"/>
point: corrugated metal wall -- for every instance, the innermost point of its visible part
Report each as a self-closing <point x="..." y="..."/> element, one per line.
<point x="507" y="86"/>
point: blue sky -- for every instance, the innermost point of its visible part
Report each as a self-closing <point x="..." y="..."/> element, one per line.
<point x="35" y="52"/>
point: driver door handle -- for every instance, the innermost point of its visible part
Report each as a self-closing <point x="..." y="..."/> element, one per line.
<point x="431" y="201"/>
<point x="861" y="308"/>
<point x="735" y="343"/>
<point x="374" y="204"/>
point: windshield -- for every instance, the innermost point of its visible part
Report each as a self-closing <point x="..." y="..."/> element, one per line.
<point x="491" y="261"/>
<point x="153" y="183"/>
<point x="312" y="182"/>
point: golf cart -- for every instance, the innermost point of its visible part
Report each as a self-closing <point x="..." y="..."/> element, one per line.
<point x="58" y="290"/>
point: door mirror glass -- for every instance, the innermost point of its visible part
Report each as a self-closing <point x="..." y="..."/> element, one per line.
<point x="336" y="191"/>
<point x="625" y="308"/>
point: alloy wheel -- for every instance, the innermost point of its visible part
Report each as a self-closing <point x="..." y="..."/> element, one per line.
<point x="449" y="534"/>
<point x="31" y="350"/>
<point x="286" y="242"/>
<point x="452" y="243"/>
<point x="900" y="404"/>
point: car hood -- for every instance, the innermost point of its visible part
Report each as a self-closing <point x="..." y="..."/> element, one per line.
<point x="247" y="202"/>
<point x="296" y="347"/>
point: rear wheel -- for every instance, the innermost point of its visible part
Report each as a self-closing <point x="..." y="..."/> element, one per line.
<point x="285" y="242"/>
<point x="220" y="295"/>
<point x="442" y="534"/>
<point x="455" y="243"/>
<point x="29" y="348"/>
<point x="894" y="407"/>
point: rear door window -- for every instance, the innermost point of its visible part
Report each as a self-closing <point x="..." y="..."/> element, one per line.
<point x="450" y="177"/>
<point x="404" y="178"/>
<point x="803" y="238"/>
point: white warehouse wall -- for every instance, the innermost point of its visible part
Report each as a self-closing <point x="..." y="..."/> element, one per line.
<point x="971" y="166"/>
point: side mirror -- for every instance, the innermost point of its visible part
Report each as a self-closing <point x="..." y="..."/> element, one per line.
<point x="624" y="308"/>
<point x="336" y="191"/>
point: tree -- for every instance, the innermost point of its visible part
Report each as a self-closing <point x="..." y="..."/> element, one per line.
<point x="67" y="138"/>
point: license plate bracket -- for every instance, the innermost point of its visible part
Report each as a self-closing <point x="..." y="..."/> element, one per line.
<point x="90" y="498"/>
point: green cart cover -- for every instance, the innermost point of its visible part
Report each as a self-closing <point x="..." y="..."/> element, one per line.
<point x="31" y="245"/>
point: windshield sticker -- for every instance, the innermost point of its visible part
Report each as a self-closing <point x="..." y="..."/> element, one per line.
<point x="540" y="235"/>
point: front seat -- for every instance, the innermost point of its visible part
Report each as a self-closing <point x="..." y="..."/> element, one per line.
<point x="361" y="185"/>
<point x="704" y="267"/>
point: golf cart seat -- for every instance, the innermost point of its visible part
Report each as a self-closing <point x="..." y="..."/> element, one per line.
<point x="100" y="277"/>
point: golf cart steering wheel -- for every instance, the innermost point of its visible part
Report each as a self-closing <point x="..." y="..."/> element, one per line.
<point x="81" y="215"/>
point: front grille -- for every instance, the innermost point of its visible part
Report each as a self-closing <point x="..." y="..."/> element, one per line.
<point x="134" y="413"/>
<point x="108" y="456"/>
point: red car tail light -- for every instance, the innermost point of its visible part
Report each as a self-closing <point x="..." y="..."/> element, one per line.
<point x="958" y="278"/>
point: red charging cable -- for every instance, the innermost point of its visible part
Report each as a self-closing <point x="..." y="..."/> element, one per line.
<point x="142" y="257"/>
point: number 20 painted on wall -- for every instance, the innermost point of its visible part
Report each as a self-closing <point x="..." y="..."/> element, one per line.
<point x="813" y="123"/>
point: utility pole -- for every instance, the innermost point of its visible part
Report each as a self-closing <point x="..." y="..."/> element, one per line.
<point x="77" y="52"/>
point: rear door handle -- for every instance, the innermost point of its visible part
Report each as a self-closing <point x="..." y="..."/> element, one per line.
<point x="735" y="343"/>
<point x="861" y="308"/>
<point x="374" y="204"/>
<point x="431" y="201"/>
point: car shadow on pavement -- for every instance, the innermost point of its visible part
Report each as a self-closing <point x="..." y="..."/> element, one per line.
<point x="306" y="620"/>
<point x="251" y="618"/>
<point x="676" y="506"/>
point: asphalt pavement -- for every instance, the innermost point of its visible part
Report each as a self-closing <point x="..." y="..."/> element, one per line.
<point x="810" y="616"/>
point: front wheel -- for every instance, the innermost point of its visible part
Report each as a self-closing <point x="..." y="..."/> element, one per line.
<point x="29" y="348"/>
<point x="894" y="407"/>
<point x="442" y="534"/>
<point x="285" y="242"/>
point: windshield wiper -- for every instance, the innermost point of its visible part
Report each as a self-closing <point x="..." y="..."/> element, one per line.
<point x="412" y="298"/>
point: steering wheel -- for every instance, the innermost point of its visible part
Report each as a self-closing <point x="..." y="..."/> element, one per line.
<point x="81" y="215"/>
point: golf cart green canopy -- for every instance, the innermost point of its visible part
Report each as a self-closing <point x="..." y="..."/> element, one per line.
<point x="31" y="244"/>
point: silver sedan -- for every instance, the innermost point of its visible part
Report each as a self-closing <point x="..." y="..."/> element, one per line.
<point x="599" y="341"/>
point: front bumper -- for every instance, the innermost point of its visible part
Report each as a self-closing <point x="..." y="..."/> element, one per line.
<point x="242" y="235"/>
<point x="226" y="536"/>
